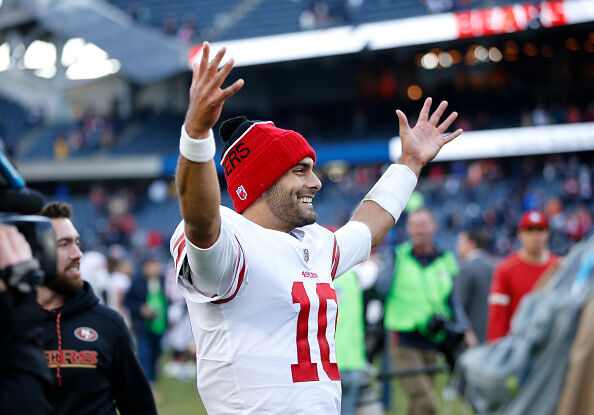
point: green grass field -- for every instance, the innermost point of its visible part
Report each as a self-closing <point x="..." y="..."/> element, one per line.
<point x="179" y="398"/>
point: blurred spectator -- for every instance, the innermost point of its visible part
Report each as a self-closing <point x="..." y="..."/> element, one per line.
<point x="350" y="336"/>
<point x="147" y="306"/>
<point x="316" y="15"/>
<point x="471" y="285"/>
<point x="464" y="123"/>
<point x="140" y="13"/>
<point x="558" y="114"/>
<point x="572" y="114"/>
<point x="187" y="30"/>
<point x="93" y="267"/>
<point x="75" y="139"/>
<point x="387" y="85"/>
<point x="421" y="291"/>
<point x="438" y="6"/>
<point x="516" y="274"/>
<point x="60" y="149"/>
<point x="35" y="115"/>
<point x="540" y="116"/>
<point x="170" y="24"/>
<point x="179" y="332"/>
<point x="342" y="11"/>
<point x="120" y="278"/>
<point x="578" y="224"/>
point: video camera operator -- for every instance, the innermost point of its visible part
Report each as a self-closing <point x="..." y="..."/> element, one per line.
<point x="65" y="351"/>
<point x="27" y="260"/>
<point x="24" y="375"/>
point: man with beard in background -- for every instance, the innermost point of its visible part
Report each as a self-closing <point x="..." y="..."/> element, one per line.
<point x="86" y="344"/>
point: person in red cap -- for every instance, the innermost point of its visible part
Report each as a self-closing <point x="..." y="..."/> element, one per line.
<point x="517" y="273"/>
<point x="258" y="279"/>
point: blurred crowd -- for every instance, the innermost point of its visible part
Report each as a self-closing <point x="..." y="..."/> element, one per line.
<point x="90" y="132"/>
<point x="494" y="193"/>
<point x="94" y="133"/>
<point x="142" y="289"/>
<point x="139" y="215"/>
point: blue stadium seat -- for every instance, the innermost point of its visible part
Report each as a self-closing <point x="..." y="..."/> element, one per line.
<point x="13" y="123"/>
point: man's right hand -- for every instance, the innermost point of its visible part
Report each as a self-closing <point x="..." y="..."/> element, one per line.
<point x="206" y="96"/>
<point x="14" y="248"/>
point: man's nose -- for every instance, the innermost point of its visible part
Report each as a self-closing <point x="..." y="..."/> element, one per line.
<point x="75" y="252"/>
<point x="314" y="182"/>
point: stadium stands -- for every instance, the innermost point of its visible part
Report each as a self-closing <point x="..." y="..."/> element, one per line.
<point x="154" y="134"/>
<point x="13" y="123"/>
<point x="461" y="194"/>
<point x="272" y="17"/>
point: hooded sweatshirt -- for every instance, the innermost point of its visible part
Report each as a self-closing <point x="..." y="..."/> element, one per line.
<point x="92" y="359"/>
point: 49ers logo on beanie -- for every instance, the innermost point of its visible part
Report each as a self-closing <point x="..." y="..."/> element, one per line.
<point x="255" y="155"/>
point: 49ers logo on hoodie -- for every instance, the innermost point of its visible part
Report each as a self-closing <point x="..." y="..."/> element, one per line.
<point x="86" y="334"/>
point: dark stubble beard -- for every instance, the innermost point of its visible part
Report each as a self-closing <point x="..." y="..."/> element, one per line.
<point x="64" y="285"/>
<point x="286" y="210"/>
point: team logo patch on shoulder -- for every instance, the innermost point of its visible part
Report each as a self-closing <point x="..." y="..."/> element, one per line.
<point x="86" y="334"/>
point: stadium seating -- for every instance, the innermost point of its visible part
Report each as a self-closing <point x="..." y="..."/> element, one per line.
<point x="154" y="134"/>
<point x="13" y="123"/>
<point x="493" y="193"/>
<point x="42" y="146"/>
<point x="272" y="17"/>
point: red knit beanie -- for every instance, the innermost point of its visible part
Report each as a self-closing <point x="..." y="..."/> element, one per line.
<point x="256" y="155"/>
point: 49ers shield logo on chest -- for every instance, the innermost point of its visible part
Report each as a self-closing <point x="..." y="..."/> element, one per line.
<point x="86" y="334"/>
<point x="241" y="193"/>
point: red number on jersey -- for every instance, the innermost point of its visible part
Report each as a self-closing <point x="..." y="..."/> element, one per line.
<point x="305" y="370"/>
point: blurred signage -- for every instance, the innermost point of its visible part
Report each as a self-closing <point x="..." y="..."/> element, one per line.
<point x="512" y="18"/>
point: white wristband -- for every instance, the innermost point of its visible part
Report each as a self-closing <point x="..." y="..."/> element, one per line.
<point x="197" y="150"/>
<point x="393" y="189"/>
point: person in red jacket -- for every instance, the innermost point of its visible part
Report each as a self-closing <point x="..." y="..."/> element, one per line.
<point x="517" y="273"/>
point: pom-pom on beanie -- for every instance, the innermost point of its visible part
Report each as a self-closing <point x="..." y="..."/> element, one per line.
<point x="255" y="155"/>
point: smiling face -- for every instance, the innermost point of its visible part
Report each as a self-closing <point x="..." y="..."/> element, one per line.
<point x="68" y="255"/>
<point x="290" y="198"/>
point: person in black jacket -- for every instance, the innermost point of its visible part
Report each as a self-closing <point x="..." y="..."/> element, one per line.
<point x="87" y="345"/>
<point x="23" y="371"/>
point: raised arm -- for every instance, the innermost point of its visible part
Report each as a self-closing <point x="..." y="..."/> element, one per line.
<point x="197" y="182"/>
<point x="383" y="204"/>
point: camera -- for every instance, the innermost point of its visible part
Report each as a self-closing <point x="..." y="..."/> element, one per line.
<point x="449" y="337"/>
<point x="37" y="230"/>
<point x="39" y="233"/>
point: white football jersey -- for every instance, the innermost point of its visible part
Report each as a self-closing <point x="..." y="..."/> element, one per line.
<point x="263" y="309"/>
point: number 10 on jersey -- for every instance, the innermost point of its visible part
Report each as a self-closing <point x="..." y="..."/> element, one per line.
<point x="305" y="370"/>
